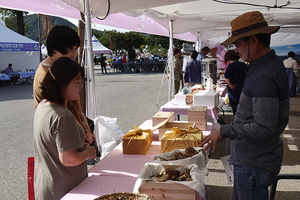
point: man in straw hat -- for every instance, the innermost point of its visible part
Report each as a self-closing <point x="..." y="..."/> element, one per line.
<point x="262" y="113"/>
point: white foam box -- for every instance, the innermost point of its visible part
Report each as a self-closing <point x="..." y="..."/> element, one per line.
<point x="198" y="115"/>
<point x="162" y="116"/>
<point x="180" y="98"/>
<point x="209" y="98"/>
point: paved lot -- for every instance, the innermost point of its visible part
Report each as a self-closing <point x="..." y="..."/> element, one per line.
<point x="132" y="98"/>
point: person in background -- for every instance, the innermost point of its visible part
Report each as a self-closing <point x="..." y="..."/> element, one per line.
<point x="234" y="77"/>
<point x="62" y="41"/>
<point x="202" y="54"/>
<point x="192" y="74"/>
<point x="262" y="114"/>
<point x="9" y="70"/>
<point x="124" y="59"/>
<point x="102" y="60"/>
<point x="292" y="71"/>
<point x="178" y="74"/>
<point x="60" y="151"/>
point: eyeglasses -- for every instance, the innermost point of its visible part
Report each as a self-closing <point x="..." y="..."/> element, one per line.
<point x="236" y="44"/>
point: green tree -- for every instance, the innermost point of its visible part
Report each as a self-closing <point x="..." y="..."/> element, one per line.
<point x="15" y="20"/>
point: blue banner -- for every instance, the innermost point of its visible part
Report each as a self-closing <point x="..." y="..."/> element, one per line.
<point x="19" y="46"/>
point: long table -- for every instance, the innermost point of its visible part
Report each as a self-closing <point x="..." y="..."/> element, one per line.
<point x="4" y="77"/>
<point x="180" y="109"/>
<point x="22" y="75"/>
<point x="117" y="172"/>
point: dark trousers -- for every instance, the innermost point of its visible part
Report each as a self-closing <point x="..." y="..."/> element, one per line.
<point x="233" y="105"/>
<point x="103" y="67"/>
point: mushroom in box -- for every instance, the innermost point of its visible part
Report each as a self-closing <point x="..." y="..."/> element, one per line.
<point x="170" y="189"/>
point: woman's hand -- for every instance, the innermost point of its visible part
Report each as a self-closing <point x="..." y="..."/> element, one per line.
<point x="89" y="137"/>
<point x="90" y="150"/>
<point x="232" y="86"/>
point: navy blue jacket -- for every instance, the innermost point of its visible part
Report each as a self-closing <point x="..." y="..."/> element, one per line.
<point x="262" y="115"/>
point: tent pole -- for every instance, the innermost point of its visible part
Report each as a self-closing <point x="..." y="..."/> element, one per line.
<point x="171" y="63"/>
<point x="199" y="40"/>
<point x="40" y="42"/>
<point x="81" y="28"/>
<point x="89" y="64"/>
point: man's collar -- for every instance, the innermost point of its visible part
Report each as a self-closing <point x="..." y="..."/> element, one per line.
<point x="262" y="59"/>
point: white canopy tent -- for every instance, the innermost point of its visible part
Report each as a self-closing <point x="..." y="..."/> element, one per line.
<point x="205" y="19"/>
<point x="17" y="49"/>
<point x="90" y="8"/>
<point x="98" y="47"/>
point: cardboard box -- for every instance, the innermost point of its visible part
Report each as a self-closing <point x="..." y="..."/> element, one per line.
<point x="162" y="116"/>
<point x="180" y="139"/>
<point x="137" y="141"/>
<point x="166" y="190"/>
<point x="209" y="98"/>
<point x="198" y="115"/>
<point x="169" y="125"/>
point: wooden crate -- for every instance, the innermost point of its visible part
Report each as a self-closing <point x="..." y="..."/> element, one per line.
<point x="168" y="190"/>
<point x="169" y="125"/>
<point x="198" y="115"/>
<point x="161" y="116"/>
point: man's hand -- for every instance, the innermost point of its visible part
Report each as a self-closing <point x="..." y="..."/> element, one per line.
<point x="211" y="139"/>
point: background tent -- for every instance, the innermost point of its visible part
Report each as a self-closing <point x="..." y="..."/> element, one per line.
<point x="17" y="49"/>
<point x="98" y="47"/>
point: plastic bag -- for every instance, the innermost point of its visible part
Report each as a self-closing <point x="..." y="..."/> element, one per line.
<point x="109" y="134"/>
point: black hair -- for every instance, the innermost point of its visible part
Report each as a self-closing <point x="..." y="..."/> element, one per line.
<point x="291" y="54"/>
<point x="59" y="75"/>
<point x="62" y="38"/>
<point x="194" y="54"/>
<point x="206" y="49"/>
<point x="231" y="55"/>
<point x="176" y="50"/>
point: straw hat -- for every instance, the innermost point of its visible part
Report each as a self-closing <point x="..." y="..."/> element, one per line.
<point x="248" y="24"/>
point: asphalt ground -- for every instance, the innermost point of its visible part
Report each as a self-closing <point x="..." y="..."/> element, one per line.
<point x="132" y="99"/>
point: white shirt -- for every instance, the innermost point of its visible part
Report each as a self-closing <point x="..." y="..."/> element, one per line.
<point x="291" y="63"/>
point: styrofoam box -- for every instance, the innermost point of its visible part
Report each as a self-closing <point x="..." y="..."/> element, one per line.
<point x="180" y="98"/>
<point x="209" y="98"/>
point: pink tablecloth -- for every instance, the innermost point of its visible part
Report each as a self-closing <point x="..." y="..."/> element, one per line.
<point x="116" y="172"/>
<point x="222" y="90"/>
<point x="180" y="109"/>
